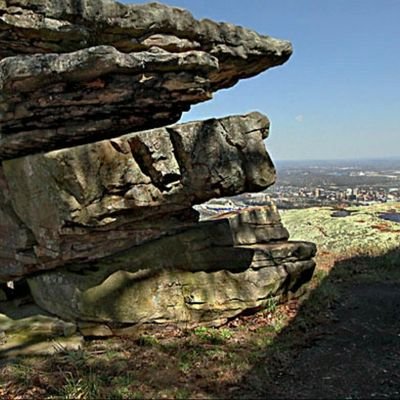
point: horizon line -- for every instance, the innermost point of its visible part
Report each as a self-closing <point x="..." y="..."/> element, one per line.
<point x="339" y="159"/>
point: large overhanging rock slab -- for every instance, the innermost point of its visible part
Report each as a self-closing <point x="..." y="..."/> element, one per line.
<point x="90" y="69"/>
<point x="44" y="26"/>
<point x="57" y="100"/>
<point x="90" y="201"/>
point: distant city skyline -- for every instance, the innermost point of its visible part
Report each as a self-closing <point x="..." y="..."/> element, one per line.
<point x="338" y="97"/>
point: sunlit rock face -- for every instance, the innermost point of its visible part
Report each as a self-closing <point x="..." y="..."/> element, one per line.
<point x="89" y="201"/>
<point x="97" y="186"/>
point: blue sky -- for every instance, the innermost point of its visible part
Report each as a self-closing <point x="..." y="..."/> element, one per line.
<point x="339" y="94"/>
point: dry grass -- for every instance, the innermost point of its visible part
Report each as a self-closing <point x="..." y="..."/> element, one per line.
<point x="196" y="364"/>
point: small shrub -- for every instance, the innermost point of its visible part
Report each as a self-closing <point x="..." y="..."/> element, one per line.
<point x="212" y="335"/>
<point x="271" y="305"/>
<point x="80" y="388"/>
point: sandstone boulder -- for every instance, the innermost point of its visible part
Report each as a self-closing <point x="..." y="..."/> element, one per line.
<point x="97" y="189"/>
<point x="27" y="330"/>
<point x="199" y="275"/>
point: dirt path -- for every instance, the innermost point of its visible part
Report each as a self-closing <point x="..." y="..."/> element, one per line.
<point x="356" y="355"/>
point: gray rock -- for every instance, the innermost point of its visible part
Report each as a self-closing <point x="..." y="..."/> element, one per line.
<point x="85" y="71"/>
<point x="43" y="26"/>
<point x="89" y="201"/>
<point x="189" y="282"/>
<point x="16" y="240"/>
<point x="90" y="329"/>
<point x="254" y="225"/>
<point x="31" y="344"/>
<point x="27" y="330"/>
<point x="57" y="100"/>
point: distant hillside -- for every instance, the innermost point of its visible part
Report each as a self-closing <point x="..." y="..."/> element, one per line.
<point x="356" y="230"/>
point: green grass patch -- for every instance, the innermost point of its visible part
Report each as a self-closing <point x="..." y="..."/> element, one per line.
<point x="213" y="335"/>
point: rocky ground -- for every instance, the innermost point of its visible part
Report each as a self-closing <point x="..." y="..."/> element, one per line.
<point x="342" y="340"/>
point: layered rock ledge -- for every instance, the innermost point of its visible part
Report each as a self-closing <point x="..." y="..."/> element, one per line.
<point x="97" y="188"/>
<point x="62" y="26"/>
<point x="193" y="280"/>
<point x="93" y="200"/>
<point x="98" y="69"/>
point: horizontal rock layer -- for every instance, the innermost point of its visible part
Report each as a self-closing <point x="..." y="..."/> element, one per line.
<point x="93" y="200"/>
<point x="199" y="275"/>
<point x="54" y="101"/>
<point x="88" y="70"/>
<point x="42" y="26"/>
<point x="205" y="246"/>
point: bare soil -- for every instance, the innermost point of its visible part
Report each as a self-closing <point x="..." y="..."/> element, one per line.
<point x="342" y="341"/>
<point x="351" y="352"/>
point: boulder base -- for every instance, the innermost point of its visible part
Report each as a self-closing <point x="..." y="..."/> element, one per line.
<point x="198" y="276"/>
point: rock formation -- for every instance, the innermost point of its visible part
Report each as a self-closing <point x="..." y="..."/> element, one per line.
<point x="97" y="213"/>
<point x="197" y="276"/>
<point x="96" y="199"/>
<point x="87" y="70"/>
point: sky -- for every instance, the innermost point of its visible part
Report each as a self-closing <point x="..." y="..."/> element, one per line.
<point x="338" y="96"/>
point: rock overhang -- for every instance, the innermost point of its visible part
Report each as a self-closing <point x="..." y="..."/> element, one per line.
<point x="135" y="67"/>
<point x="68" y="26"/>
<point x="98" y="186"/>
<point x="96" y="199"/>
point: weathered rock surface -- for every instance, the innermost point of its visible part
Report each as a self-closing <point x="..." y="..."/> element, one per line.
<point x="16" y="239"/>
<point x="200" y="275"/>
<point x="93" y="200"/>
<point x="54" y="101"/>
<point x="26" y="330"/>
<point x="98" y="69"/>
<point x="105" y="231"/>
<point x="42" y="26"/>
